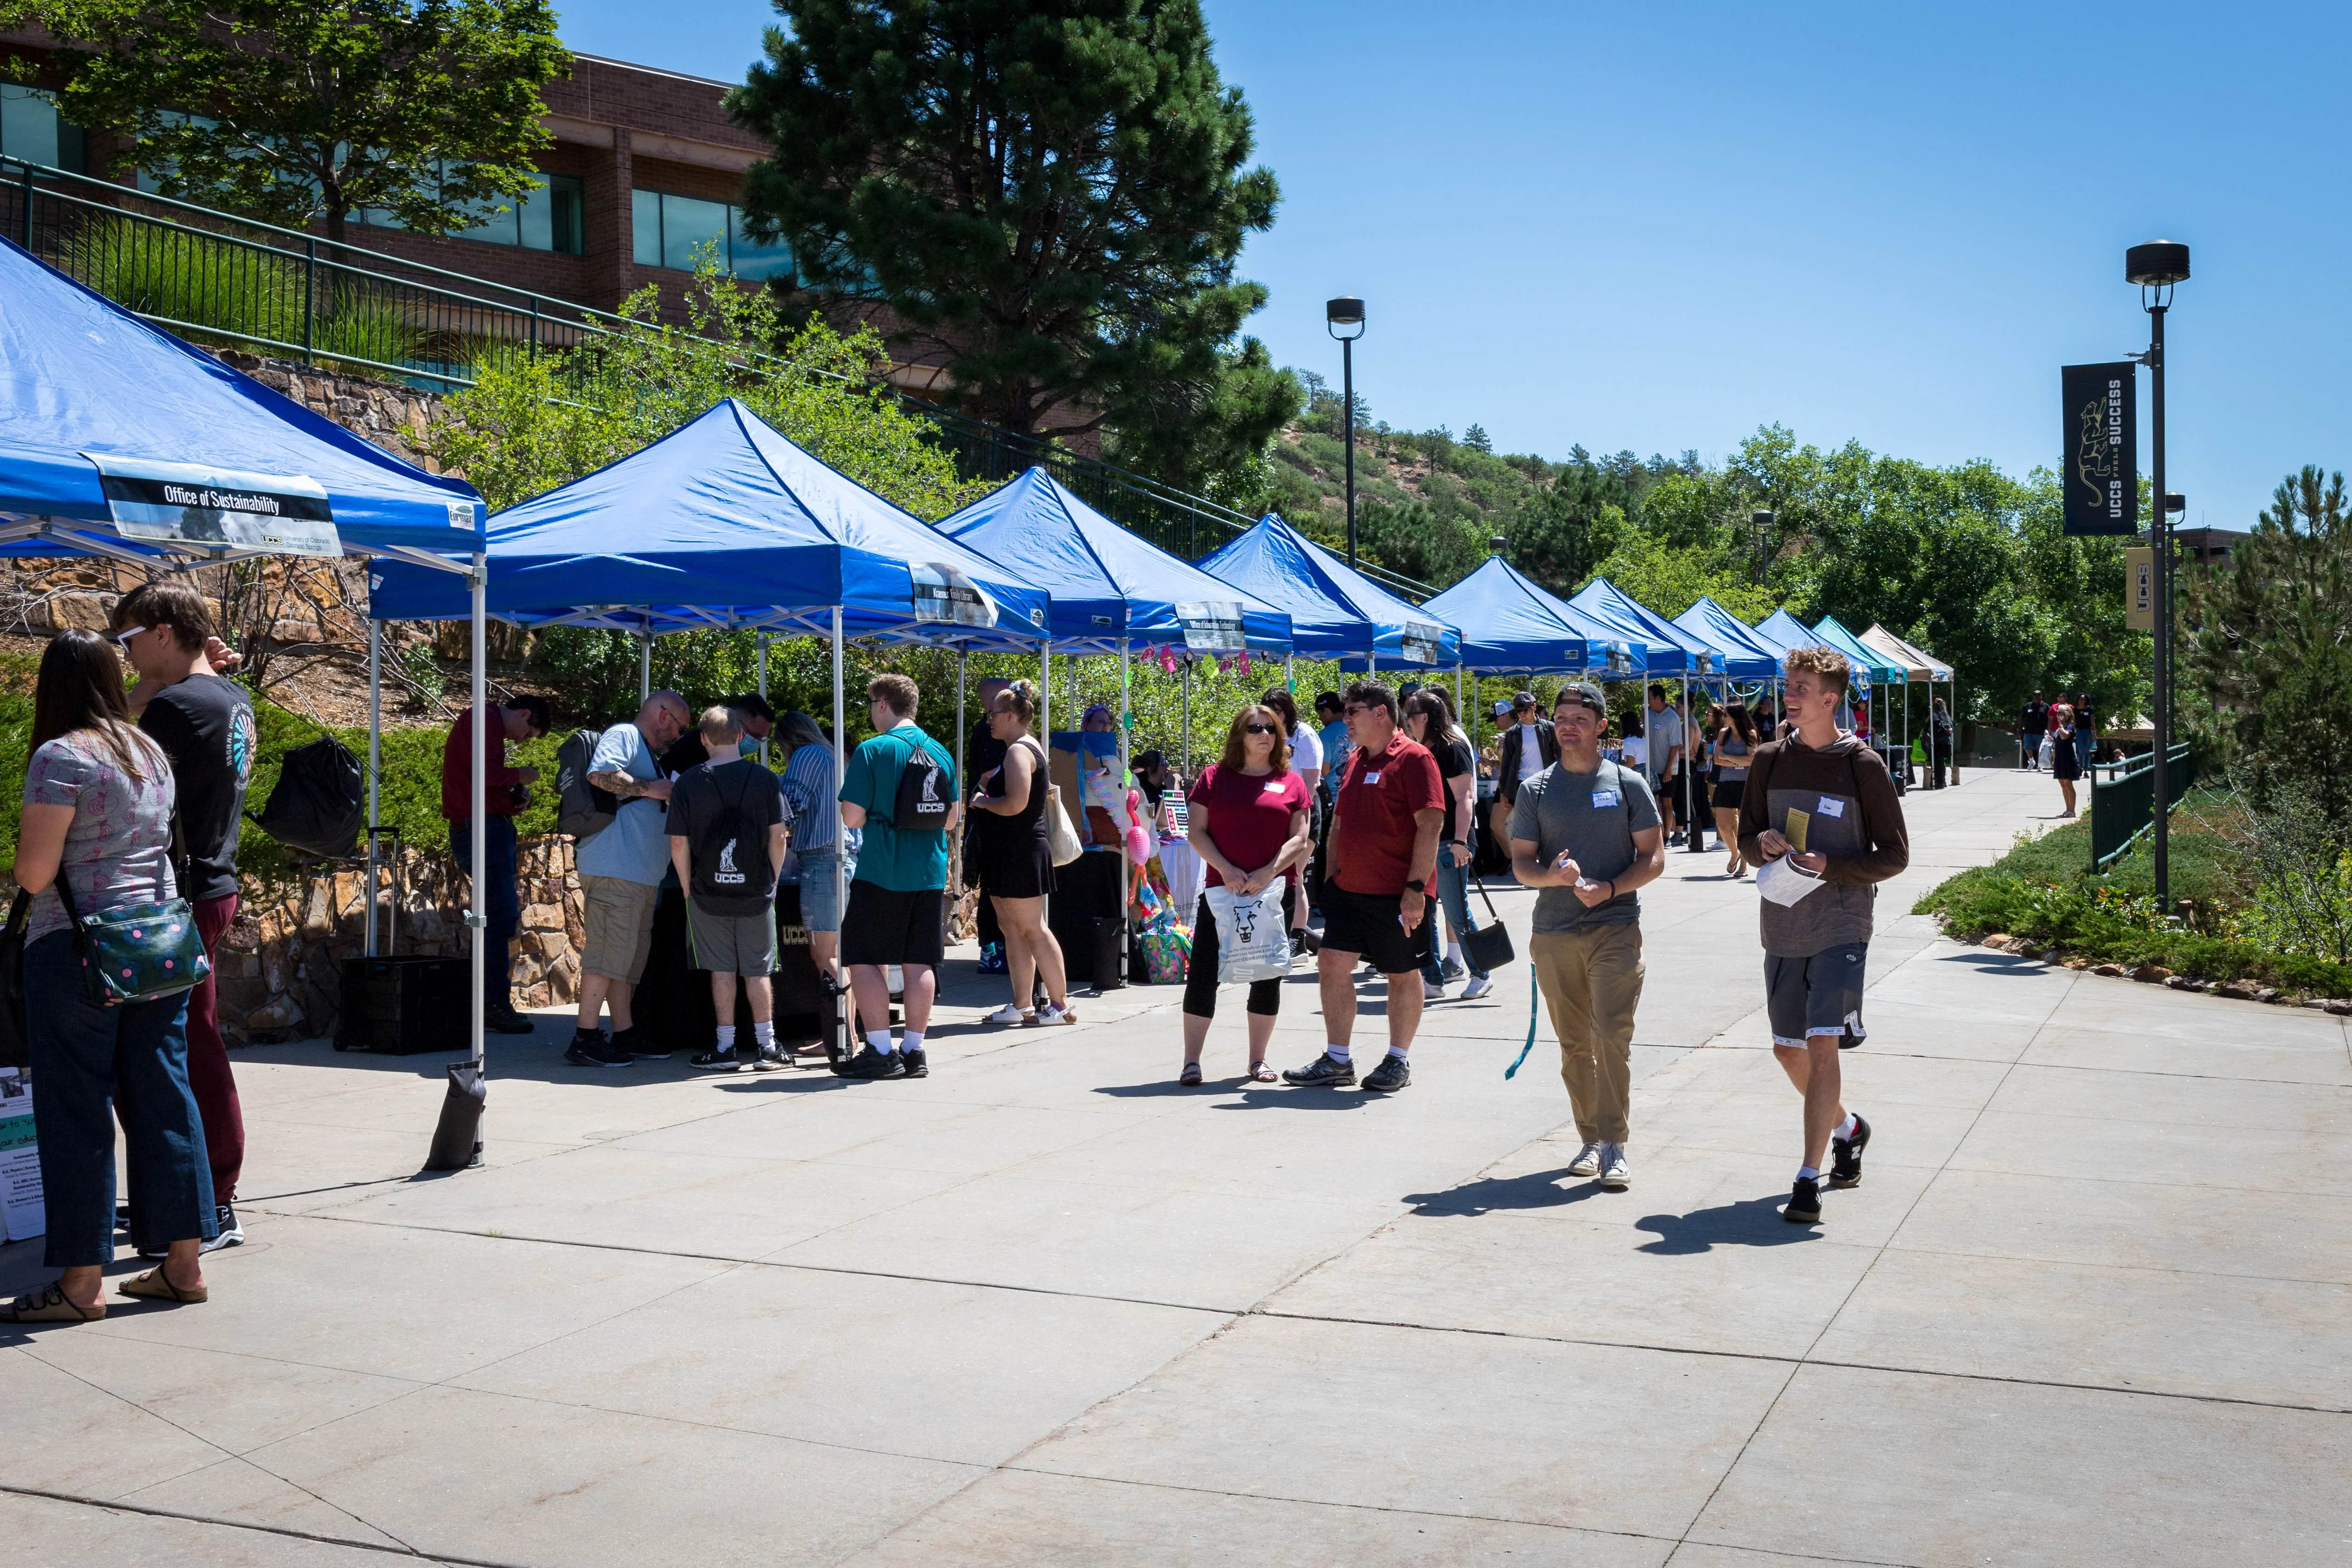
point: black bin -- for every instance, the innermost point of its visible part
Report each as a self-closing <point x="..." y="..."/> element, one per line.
<point x="403" y="1006"/>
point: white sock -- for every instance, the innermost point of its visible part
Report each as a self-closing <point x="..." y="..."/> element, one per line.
<point x="726" y="1037"/>
<point x="1807" y="1174"/>
<point x="1337" y="1053"/>
<point x="912" y="1041"/>
<point x="1454" y="951"/>
<point x="879" y="1039"/>
<point x="1845" y="1128"/>
<point x="1399" y="1052"/>
<point x="764" y="1033"/>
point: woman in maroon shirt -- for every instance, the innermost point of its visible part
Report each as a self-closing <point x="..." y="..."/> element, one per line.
<point x="1250" y="825"/>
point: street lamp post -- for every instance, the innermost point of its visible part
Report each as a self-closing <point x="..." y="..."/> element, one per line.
<point x="2156" y="267"/>
<point x="1761" y="520"/>
<point x="1339" y="316"/>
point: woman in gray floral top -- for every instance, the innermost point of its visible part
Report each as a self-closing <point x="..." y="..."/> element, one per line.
<point x="98" y="812"/>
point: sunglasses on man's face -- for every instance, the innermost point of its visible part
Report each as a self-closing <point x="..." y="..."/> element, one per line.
<point x="124" y="636"/>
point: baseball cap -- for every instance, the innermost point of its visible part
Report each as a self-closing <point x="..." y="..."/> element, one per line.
<point x="1524" y="699"/>
<point x="1583" y="692"/>
<point x="1502" y="705"/>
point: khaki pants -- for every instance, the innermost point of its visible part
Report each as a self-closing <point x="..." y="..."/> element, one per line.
<point x="1591" y="981"/>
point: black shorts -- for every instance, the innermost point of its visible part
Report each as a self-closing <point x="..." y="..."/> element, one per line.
<point x="884" y="926"/>
<point x="1371" y="925"/>
<point x="1727" y="794"/>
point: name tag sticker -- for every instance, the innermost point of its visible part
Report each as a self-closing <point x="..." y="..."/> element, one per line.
<point x="1274" y="786"/>
<point x="1831" y="807"/>
<point x="1603" y="797"/>
<point x="1372" y="778"/>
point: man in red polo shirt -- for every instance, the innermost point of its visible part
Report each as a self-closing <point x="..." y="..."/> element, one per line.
<point x="1390" y="810"/>
<point x="524" y="719"/>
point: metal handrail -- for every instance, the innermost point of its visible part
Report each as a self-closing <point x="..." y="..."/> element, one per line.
<point x="424" y="304"/>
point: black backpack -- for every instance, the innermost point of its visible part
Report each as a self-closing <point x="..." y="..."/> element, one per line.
<point x="730" y="853"/>
<point x="583" y="811"/>
<point x="320" y="803"/>
<point x="926" y="793"/>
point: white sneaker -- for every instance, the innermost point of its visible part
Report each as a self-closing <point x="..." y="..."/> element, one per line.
<point x="1479" y="985"/>
<point x="1587" y="1162"/>
<point x="1615" y="1175"/>
<point x="1010" y="1012"/>
<point x="1430" y="991"/>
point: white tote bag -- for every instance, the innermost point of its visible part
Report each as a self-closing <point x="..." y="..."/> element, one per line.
<point x="1252" y="941"/>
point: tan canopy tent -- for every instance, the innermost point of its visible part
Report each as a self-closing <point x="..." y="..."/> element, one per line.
<point x="1920" y="669"/>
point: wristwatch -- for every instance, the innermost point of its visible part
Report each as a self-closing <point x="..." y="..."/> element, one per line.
<point x="1417" y="885"/>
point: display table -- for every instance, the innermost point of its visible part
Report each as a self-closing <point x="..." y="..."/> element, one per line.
<point x="673" y="1000"/>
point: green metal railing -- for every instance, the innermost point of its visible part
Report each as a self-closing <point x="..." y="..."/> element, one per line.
<point x="213" y="276"/>
<point x="2123" y="804"/>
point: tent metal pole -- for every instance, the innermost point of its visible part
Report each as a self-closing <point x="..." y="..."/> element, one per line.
<point x="478" y="913"/>
<point x="1125" y="716"/>
<point x="645" y="662"/>
<point x="763" y="692"/>
<point x="963" y="657"/>
<point x="840" y="833"/>
<point x="1693" y="833"/>
<point x="375" y="770"/>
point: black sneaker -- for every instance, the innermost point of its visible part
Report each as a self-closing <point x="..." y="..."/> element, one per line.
<point x="590" y="1048"/>
<point x="869" y="1063"/>
<point x="637" y="1043"/>
<point x="232" y="1234"/>
<point x="1845" y="1166"/>
<point x="916" y="1062"/>
<point x="1392" y="1074"/>
<point x="1804" y="1203"/>
<point x="715" y="1060"/>
<point x="508" y="1022"/>
<point x="1323" y="1072"/>
<point x="770" y="1059"/>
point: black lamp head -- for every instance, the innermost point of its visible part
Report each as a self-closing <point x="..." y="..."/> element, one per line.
<point x="1761" y="517"/>
<point x="2175" y="503"/>
<point x="1499" y="544"/>
<point x="2156" y="264"/>
<point x="1342" y="314"/>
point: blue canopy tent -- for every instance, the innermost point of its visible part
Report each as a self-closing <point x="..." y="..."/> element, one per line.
<point x="1883" y="671"/>
<point x="1673" y="651"/>
<point x="1512" y="626"/>
<point x="1110" y="588"/>
<point x="1336" y="612"/>
<point x="1749" y="657"/>
<point x="1786" y="633"/>
<point x="119" y="440"/>
<point x="724" y="524"/>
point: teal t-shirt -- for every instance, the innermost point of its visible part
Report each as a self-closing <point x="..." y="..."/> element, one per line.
<point x="901" y="862"/>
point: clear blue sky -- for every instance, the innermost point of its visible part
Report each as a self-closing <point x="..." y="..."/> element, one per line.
<point x="1661" y="226"/>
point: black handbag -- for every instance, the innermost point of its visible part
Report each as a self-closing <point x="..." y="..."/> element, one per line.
<point x="1488" y="947"/>
<point x="15" y="1045"/>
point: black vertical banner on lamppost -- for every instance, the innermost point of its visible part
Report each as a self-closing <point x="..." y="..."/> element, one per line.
<point x="2102" y="466"/>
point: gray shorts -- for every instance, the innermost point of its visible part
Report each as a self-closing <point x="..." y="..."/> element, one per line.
<point x="1805" y="997"/>
<point x="732" y="944"/>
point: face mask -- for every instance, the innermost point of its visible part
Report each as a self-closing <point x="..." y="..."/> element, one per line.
<point x="748" y="746"/>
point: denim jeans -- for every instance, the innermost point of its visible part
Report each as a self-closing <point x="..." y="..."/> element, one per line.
<point x="1454" y="893"/>
<point x="86" y="1059"/>
<point x="501" y="905"/>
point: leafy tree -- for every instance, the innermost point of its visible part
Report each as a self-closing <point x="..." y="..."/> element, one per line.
<point x="1052" y="192"/>
<point x="2272" y="647"/>
<point x="296" y="110"/>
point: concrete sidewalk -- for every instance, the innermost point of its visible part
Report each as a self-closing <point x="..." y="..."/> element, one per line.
<point x="2091" y="1304"/>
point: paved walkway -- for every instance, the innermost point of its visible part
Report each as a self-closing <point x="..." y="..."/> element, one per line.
<point x="2093" y="1304"/>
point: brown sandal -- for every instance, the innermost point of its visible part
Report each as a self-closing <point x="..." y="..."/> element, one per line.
<point x="155" y="1286"/>
<point x="48" y="1305"/>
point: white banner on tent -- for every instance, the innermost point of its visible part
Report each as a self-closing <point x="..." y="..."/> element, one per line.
<point x="942" y="592"/>
<point x="1419" y="643"/>
<point x="1210" y="626"/>
<point x="190" y="503"/>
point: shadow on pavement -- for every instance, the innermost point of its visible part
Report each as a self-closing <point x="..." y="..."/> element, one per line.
<point x="1987" y="963"/>
<point x="1491" y="1195"/>
<point x="1751" y="1222"/>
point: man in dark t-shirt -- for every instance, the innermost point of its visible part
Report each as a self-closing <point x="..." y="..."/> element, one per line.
<point x="728" y="831"/>
<point x="204" y="721"/>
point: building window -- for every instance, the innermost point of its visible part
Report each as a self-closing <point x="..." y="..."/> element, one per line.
<point x="665" y="230"/>
<point x="548" y="218"/>
<point x="31" y="129"/>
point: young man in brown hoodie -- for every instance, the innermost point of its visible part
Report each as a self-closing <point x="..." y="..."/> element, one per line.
<point x="1825" y="802"/>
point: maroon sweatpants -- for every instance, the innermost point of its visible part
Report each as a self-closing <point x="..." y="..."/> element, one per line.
<point x="208" y="1071"/>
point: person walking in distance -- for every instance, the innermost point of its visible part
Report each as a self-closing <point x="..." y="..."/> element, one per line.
<point x="2031" y="725"/>
<point x="2065" y="757"/>
<point x="1014" y="865"/>
<point x="1390" y="816"/>
<point x="204" y="723"/>
<point x="1251" y="824"/>
<point x="1526" y="748"/>
<point x="620" y="870"/>
<point x="1939" y="744"/>
<point x="1664" y="757"/>
<point x="1824" y="803"/>
<point x="983" y="754"/>
<point x="728" y="831"/>
<point x="1586" y="833"/>
<point x="1735" y="740"/>
<point x="901" y="789"/>
<point x="525" y="719"/>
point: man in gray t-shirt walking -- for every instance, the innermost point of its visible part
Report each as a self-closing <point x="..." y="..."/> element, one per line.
<point x="1585" y="831"/>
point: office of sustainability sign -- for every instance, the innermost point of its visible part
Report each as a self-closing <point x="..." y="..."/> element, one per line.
<point x="2102" y="465"/>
